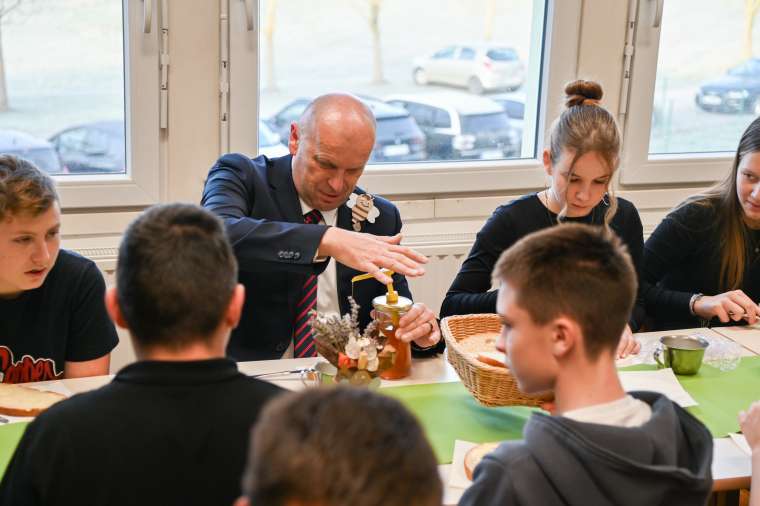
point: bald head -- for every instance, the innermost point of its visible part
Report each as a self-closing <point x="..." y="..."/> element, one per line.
<point x="331" y="144"/>
<point x="337" y="111"/>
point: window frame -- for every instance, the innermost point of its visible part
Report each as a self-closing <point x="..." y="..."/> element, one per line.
<point x="638" y="167"/>
<point x="553" y="64"/>
<point x="140" y="186"/>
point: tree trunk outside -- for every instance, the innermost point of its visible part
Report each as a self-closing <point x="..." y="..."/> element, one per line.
<point x="750" y="11"/>
<point x="3" y="86"/>
<point x="374" y="23"/>
<point x="490" y="12"/>
<point x="269" y="26"/>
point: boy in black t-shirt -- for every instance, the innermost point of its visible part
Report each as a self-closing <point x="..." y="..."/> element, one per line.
<point x="172" y="427"/>
<point x="53" y="320"/>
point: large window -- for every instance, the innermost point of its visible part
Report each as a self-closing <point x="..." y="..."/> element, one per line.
<point x="708" y="81"/>
<point x="695" y="88"/>
<point x="66" y="73"/>
<point x="382" y="50"/>
<point x="447" y="80"/>
<point x="62" y="85"/>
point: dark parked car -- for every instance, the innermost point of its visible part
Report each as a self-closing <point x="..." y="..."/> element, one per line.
<point x="461" y="126"/>
<point x="514" y="105"/>
<point x="736" y="91"/>
<point x="38" y="151"/>
<point x="399" y="139"/>
<point x="93" y="147"/>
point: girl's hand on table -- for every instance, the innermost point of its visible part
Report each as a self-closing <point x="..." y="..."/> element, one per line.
<point x="733" y="305"/>
<point x="628" y="344"/>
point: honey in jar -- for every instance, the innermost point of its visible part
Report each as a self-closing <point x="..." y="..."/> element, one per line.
<point x="389" y="309"/>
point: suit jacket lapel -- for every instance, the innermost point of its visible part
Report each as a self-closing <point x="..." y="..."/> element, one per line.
<point x="285" y="195"/>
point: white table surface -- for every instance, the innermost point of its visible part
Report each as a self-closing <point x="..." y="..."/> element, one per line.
<point x="729" y="462"/>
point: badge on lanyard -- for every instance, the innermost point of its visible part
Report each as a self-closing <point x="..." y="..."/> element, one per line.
<point x="362" y="208"/>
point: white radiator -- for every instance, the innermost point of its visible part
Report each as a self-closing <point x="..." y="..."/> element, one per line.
<point x="444" y="261"/>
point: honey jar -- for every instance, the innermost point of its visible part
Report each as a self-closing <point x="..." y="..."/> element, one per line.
<point x="389" y="309"/>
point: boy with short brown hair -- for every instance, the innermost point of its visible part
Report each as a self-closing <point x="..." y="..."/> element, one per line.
<point x="171" y="428"/>
<point x="342" y="446"/>
<point x="564" y="299"/>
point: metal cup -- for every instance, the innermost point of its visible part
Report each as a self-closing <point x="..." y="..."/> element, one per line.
<point x="321" y="373"/>
<point x="681" y="353"/>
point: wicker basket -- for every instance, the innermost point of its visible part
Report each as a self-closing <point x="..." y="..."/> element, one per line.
<point x="490" y="385"/>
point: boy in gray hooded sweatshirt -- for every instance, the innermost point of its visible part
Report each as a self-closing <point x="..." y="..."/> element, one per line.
<point x="566" y="294"/>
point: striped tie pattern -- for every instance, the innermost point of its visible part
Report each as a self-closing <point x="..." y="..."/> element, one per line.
<point x="303" y="341"/>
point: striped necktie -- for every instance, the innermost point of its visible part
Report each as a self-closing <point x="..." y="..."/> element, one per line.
<point x="303" y="341"/>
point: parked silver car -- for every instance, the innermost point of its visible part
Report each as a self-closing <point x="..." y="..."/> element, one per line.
<point x="477" y="67"/>
<point x="461" y="126"/>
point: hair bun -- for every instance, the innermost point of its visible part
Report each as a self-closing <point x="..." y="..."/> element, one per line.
<point x="582" y="92"/>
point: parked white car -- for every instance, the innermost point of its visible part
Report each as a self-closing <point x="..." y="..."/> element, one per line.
<point x="270" y="143"/>
<point x="477" y="67"/>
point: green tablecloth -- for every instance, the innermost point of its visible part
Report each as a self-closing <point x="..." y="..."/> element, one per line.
<point x="448" y="412"/>
<point x="9" y="438"/>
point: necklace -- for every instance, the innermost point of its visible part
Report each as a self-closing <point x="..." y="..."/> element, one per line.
<point x="555" y="220"/>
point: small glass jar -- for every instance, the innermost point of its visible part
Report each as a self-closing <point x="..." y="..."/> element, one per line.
<point x="388" y="312"/>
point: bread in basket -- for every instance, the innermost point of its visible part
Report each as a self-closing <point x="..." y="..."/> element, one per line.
<point x="490" y="385"/>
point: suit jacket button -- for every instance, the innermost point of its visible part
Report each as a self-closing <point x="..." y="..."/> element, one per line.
<point x="296" y="255"/>
<point x="281" y="346"/>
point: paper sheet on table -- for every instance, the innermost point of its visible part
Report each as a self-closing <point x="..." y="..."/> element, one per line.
<point x="457" y="476"/>
<point x="741" y="442"/>
<point x="662" y="381"/>
<point x="52" y="387"/>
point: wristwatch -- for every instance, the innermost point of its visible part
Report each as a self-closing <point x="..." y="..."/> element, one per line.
<point x="694" y="299"/>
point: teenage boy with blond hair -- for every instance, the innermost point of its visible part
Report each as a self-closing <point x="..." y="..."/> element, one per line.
<point x="564" y="299"/>
<point x="53" y="322"/>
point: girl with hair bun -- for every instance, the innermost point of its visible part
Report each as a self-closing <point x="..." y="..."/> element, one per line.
<point x="580" y="159"/>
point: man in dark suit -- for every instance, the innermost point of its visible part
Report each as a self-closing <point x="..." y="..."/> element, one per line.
<point x="297" y="241"/>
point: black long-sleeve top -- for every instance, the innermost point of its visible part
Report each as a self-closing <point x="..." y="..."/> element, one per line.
<point x="682" y="258"/>
<point x="471" y="290"/>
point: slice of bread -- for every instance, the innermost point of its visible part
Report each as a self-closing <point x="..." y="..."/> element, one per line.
<point x="494" y="358"/>
<point x="484" y="341"/>
<point x="473" y="457"/>
<point x="17" y="400"/>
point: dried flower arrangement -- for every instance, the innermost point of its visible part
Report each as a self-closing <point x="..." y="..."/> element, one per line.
<point x="358" y="356"/>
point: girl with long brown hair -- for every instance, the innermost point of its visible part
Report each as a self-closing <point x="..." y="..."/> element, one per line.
<point x="581" y="158"/>
<point x="703" y="261"/>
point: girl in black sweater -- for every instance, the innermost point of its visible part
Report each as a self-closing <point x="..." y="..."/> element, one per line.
<point x="582" y="157"/>
<point x="702" y="262"/>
